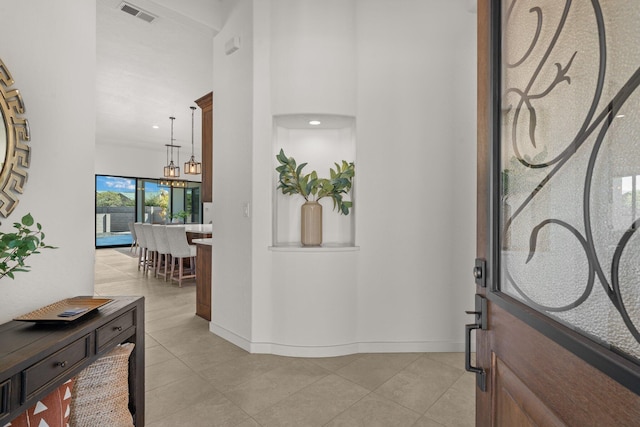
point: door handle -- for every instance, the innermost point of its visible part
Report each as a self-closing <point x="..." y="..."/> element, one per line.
<point x="480" y="314"/>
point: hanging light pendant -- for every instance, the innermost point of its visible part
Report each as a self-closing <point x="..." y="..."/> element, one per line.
<point x="171" y="170"/>
<point x="192" y="167"/>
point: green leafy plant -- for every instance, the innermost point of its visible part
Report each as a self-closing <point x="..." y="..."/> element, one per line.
<point x="292" y="181"/>
<point x="182" y="215"/>
<point x="17" y="246"/>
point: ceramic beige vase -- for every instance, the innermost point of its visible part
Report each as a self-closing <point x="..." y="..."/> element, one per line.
<point x="311" y="228"/>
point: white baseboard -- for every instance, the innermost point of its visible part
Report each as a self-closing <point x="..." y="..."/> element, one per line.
<point x="336" y="350"/>
<point x="233" y="338"/>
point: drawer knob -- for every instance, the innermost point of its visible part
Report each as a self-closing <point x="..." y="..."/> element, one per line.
<point x="62" y="364"/>
<point x="118" y="328"/>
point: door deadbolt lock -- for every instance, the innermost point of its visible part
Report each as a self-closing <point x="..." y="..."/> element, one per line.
<point x="479" y="272"/>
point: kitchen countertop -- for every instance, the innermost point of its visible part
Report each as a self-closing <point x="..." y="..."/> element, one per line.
<point x="208" y="241"/>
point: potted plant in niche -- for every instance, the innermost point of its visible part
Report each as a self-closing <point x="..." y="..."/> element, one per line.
<point x="15" y="247"/>
<point x="291" y="180"/>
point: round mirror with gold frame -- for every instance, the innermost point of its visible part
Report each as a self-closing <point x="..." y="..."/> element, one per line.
<point x="14" y="151"/>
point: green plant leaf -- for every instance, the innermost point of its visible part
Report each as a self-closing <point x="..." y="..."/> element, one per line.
<point x="27" y="220"/>
<point x="299" y="169"/>
<point x="292" y="181"/>
<point x="303" y="185"/>
<point x="281" y="156"/>
<point x="32" y="245"/>
<point x="311" y="187"/>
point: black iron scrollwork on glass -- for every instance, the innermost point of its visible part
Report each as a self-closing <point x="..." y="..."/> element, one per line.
<point x="519" y="103"/>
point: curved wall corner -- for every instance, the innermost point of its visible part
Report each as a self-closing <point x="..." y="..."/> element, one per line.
<point x="313" y="57"/>
<point x="314" y="307"/>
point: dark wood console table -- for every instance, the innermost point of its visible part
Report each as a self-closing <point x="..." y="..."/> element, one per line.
<point x="29" y="354"/>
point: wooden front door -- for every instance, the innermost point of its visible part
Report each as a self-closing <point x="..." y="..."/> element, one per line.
<point x="558" y="211"/>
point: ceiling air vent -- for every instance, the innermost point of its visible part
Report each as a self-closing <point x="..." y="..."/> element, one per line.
<point x="137" y="12"/>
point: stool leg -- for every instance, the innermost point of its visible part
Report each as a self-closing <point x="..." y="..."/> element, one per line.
<point x="166" y="260"/>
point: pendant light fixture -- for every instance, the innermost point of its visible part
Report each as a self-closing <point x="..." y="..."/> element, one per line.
<point x="171" y="170"/>
<point x="192" y="167"/>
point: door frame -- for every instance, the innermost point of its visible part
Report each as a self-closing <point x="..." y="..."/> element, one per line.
<point x="614" y="365"/>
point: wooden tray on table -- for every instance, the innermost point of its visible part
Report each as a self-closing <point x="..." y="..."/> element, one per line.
<point x="81" y="306"/>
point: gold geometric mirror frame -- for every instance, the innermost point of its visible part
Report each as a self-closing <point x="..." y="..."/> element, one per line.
<point x="14" y="151"/>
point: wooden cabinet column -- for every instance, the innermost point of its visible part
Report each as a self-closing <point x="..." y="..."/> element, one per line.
<point x="203" y="281"/>
<point x="206" y="105"/>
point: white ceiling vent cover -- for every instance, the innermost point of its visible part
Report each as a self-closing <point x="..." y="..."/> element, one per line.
<point x="137" y="12"/>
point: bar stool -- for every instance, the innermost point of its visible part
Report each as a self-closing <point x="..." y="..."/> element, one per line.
<point x="181" y="249"/>
<point x="152" y="253"/>
<point x="163" y="250"/>
<point x="134" y="239"/>
<point x="142" y="244"/>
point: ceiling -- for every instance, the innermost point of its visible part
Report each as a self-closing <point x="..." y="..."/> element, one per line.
<point x="147" y="72"/>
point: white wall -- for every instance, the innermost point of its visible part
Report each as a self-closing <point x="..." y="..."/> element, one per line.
<point x="262" y="196"/>
<point x="415" y="170"/>
<point x="462" y="171"/>
<point x="120" y="160"/>
<point x="49" y="47"/>
<point x="232" y="166"/>
<point x="411" y="120"/>
<point x="313" y="56"/>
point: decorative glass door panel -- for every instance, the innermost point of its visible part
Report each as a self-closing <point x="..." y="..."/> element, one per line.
<point x="570" y="164"/>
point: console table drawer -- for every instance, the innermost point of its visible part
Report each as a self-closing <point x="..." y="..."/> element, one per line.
<point x="54" y="366"/>
<point x="109" y="331"/>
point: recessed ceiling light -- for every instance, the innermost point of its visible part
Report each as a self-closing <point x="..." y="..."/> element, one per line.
<point x="155" y="127"/>
<point x="620" y="116"/>
<point x="314" y="122"/>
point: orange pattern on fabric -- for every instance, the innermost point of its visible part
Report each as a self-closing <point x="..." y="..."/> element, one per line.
<point x="52" y="411"/>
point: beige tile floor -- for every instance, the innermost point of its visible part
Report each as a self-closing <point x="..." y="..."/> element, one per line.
<point x="194" y="378"/>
